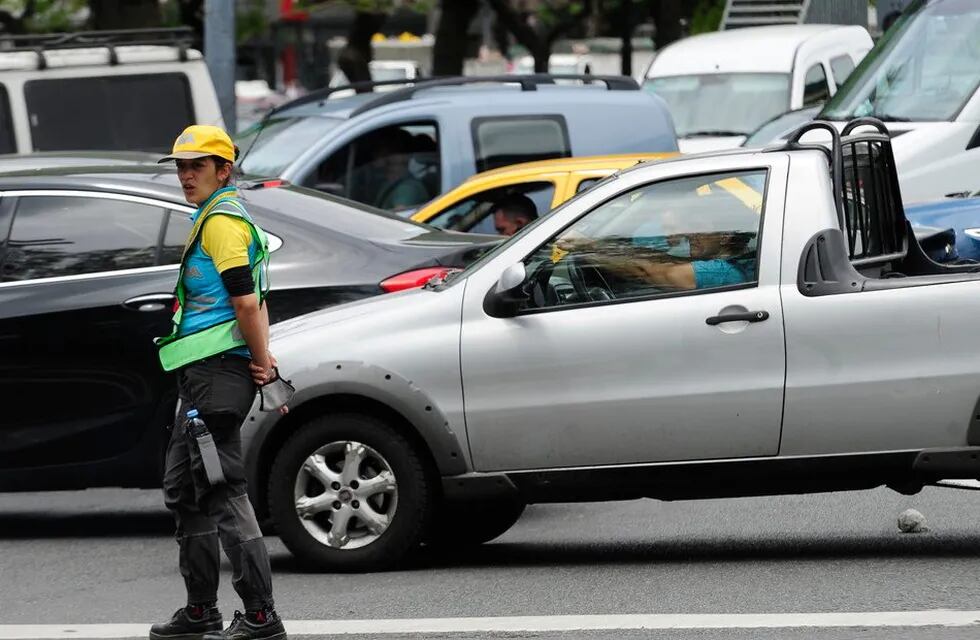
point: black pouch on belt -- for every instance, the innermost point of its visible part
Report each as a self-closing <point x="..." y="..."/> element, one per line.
<point x="203" y="450"/>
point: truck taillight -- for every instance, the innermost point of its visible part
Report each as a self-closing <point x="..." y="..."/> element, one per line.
<point x="414" y="279"/>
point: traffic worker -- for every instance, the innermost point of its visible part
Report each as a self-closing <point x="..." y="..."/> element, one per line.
<point x="219" y="349"/>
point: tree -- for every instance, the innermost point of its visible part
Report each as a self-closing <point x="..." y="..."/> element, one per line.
<point x="124" y="14"/>
<point x="537" y="32"/>
<point x="449" y="51"/>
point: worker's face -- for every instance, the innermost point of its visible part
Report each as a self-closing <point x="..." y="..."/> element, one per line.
<point x="201" y="177"/>
<point x="506" y="226"/>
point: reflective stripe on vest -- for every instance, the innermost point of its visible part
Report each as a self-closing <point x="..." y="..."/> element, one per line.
<point x="178" y="351"/>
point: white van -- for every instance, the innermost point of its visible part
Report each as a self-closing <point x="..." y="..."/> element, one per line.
<point x="102" y="91"/>
<point x="721" y="86"/>
<point x="923" y="79"/>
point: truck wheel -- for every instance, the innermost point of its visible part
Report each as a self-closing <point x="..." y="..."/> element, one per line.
<point x="349" y="493"/>
<point x="472" y="523"/>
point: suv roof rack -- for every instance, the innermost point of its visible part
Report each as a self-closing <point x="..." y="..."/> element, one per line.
<point x="867" y="195"/>
<point x="180" y="37"/>
<point x="527" y="82"/>
<point x="321" y="95"/>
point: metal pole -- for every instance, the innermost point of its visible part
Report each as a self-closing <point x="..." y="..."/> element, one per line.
<point x="219" y="53"/>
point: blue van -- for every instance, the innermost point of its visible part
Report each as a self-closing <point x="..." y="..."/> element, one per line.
<point x="398" y="149"/>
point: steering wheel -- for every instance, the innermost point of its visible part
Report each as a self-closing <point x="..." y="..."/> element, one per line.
<point x="584" y="290"/>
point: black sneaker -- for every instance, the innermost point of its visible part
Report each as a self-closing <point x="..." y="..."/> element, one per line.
<point x="266" y="625"/>
<point x="183" y="626"/>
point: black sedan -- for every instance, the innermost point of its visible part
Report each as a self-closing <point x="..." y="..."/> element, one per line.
<point x="88" y="261"/>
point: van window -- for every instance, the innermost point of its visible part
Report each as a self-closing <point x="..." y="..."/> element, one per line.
<point x="815" y="89"/>
<point x="499" y="142"/>
<point x="841" y="67"/>
<point x="7" y="142"/>
<point x="131" y="112"/>
<point x="395" y="168"/>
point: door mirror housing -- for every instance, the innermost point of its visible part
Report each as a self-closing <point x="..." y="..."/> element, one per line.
<point x="504" y="300"/>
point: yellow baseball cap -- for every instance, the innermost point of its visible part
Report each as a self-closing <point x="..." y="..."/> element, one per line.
<point x="202" y="140"/>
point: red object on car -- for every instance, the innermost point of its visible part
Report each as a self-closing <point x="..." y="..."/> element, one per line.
<point x="415" y="278"/>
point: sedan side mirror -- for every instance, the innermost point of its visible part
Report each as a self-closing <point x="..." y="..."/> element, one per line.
<point x="504" y="300"/>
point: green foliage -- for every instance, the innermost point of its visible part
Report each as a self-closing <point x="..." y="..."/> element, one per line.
<point x="370" y="6"/>
<point x="49" y="15"/>
<point x="707" y="16"/>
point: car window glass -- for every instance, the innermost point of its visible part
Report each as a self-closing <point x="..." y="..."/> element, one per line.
<point x="394" y="168"/>
<point x="841" y="67"/>
<point x="586" y="184"/>
<point x="66" y="235"/>
<point x="130" y="112"/>
<point x="179" y="228"/>
<point x="499" y="142"/>
<point x="682" y="235"/>
<point x="815" y="89"/>
<point x="473" y="213"/>
<point x="7" y="142"/>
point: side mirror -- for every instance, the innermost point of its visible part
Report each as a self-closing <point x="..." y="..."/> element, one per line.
<point x="504" y="300"/>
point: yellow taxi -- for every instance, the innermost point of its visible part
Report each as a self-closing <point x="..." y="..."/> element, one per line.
<point x="548" y="183"/>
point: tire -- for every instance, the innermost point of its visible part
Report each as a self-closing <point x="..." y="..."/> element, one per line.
<point x="472" y="523"/>
<point x="383" y="520"/>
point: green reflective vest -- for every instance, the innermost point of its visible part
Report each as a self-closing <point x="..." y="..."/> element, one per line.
<point x="178" y="351"/>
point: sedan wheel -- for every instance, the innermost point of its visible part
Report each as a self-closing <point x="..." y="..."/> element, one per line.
<point x="349" y="493"/>
<point x="346" y="494"/>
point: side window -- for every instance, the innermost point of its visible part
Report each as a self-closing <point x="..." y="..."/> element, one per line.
<point x="129" y="112"/>
<point x="519" y="205"/>
<point x="394" y="168"/>
<point x="178" y="228"/>
<point x="7" y="142"/>
<point x="841" y="67"/>
<point x="586" y="184"/>
<point x="681" y="235"/>
<point x="56" y="236"/>
<point x="498" y="142"/>
<point x="815" y="89"/>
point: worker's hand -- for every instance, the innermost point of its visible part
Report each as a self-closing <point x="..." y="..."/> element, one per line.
<point x="264" y="372"/>
<point x="263" y="369"/>
<point x="574" y="241"/>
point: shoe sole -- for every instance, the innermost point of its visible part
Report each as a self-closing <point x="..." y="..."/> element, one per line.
<point x="184" y="636"/>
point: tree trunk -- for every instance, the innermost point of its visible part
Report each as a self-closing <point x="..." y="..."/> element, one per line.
<point x="667" y="16"/>
<point x="17" y="24"/>
<point x="451" y="36"/>
<point x="353" y="59"/>
<point x="124" y="14"/>
<point x="626" y="33"/>
<point x="542" y="55"/>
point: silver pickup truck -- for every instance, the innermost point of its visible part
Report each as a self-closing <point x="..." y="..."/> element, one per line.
<point x="736" y="324"/>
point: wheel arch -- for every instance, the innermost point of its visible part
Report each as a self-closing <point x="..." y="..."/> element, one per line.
<point x="363" y="389"/>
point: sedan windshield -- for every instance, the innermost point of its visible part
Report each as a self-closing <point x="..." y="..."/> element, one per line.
<point x="925" y="69"/>
<point x="272" y="146"/>
<point x="749" y="99"/>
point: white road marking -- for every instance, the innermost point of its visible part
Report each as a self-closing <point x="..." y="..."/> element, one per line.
<point x="656" y="621"/>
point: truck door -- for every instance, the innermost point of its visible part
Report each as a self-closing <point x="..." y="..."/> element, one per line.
<point x="610" y="361"/>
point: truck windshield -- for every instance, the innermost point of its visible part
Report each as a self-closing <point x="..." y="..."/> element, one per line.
<point x="925" y="69"/>
<point x="749" y="99"/>
<point x="272" y="146"/>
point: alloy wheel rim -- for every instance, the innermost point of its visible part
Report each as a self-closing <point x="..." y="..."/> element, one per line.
<point x="345" y="495"/>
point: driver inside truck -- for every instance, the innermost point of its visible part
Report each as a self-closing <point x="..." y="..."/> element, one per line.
<point x="674" y="241"/>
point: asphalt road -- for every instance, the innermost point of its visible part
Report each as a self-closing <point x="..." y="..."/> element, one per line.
<point x="107" y="557"/>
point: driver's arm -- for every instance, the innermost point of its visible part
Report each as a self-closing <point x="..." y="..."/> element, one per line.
<point x="630" y="261"/>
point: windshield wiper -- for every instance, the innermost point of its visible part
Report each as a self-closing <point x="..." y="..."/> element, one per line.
<point x="709" y="133"/>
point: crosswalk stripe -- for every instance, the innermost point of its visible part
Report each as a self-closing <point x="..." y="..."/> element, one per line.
<point x="655" y="621"/>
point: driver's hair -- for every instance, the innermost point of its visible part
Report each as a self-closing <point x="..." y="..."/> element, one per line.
<point x="515" y="206"/>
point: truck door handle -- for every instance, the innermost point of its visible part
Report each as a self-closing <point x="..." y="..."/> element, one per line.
<point x="748" y="316"/>
<point x="150" y="303"/>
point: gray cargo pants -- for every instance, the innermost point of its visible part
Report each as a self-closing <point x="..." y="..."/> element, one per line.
<point x="222" y="391"/>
